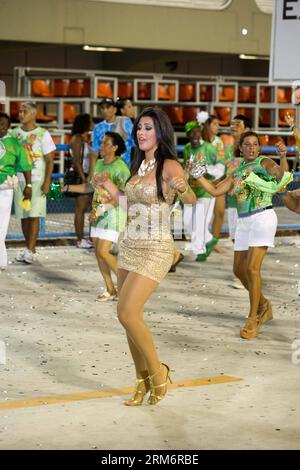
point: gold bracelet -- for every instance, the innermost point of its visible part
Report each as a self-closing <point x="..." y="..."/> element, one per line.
<point x="187" y="189"/>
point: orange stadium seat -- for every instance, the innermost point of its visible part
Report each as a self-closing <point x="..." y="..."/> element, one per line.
<point x="247" y="94"/>
<point x="186" y="92"/>
<point x="264" y="118"/>
<point x="265" y="94"/>
<point x="144" y="91"/>
<point x="40" y="88"/>
<point x="281" y="117"/>
<point x="104" y="90"/>
<point x="249" y="112"/>
<point x="205" y="92"/>
<point x="224" y="115"/>
<point x="41" y="116"/>
<point x="75" y="88"/>
<point x="273" y="139"/>
<point x="171" y="89"/>
<point x="263" y="140"/>
<point x="59" y="87"/>
<point x="69" y="113"/>
<point x="284" y="95"/>
<point x="166" y="92"/>
<point x="226" y="93"/>
<point x="189" y="113"/>
<point x="162" y="92"/>
<point x="291" y="141"/>
<point x="86" y="90"/>
<point x="14" y="107"/>
<point x="125" y="90"/>
<point x="175" y="114"/>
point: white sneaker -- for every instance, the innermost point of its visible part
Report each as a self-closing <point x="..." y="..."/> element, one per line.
<point x="20" y="256"/>
<point x="236" y="284"/>
<point x="84" y="243"/>
<point x="28" y="257"/>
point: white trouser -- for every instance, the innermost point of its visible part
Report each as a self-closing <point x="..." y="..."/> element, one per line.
<point x="232" y="221"/>
<point x="196" y="223"/>
<point x="6" y="198"/>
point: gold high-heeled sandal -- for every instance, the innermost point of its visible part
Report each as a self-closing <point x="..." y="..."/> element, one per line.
<point x="157" y="397"/>
<point x="141" y="389"/>
<point x="265" y="313"/>
<point x="251" y="328"/>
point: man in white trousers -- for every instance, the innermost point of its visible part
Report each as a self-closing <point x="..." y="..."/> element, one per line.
<point x="13" y="158"/>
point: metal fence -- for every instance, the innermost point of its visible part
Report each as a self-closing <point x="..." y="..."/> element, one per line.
<point x="59" y="222"/>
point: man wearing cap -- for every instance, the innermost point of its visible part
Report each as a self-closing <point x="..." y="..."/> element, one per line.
<point x="40" y="148"/>
<point x="112" y="123"/>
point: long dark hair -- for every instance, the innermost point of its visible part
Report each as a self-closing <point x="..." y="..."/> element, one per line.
<point x="205" y="129"/>
<point x="165" y="144"/>
<point x="81" y="124"/>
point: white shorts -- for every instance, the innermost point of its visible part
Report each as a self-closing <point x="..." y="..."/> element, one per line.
<point x="232" y="215"/>
<point x="105" y="234"/>
<point x="256" y="230"/>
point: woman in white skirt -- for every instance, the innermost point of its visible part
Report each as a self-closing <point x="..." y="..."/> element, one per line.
<point x="256" y="226"/>
<point x="107" y="218"/>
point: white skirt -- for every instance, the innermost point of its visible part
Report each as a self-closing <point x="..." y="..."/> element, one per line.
<point x="105" y="234"/>
<point x="256" y="230"/>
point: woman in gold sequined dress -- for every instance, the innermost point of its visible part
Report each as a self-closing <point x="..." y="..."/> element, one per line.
<point x="146" y="248"/>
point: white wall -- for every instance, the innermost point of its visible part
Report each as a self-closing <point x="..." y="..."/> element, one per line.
<point x="114" y="24"/>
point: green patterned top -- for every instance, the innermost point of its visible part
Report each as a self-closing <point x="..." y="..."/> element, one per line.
<point x="250" y="200"/>
<point x="13" y="158"/>
<point x="205" y="152"/>
<point x="229" y="159"/>
<point x="114" y="218"/>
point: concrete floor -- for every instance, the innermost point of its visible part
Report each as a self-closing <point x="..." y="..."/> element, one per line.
<point x="60" y="342"/>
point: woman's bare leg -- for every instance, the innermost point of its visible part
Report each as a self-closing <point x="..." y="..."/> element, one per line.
<point x="102" y="247"/>
<point x="240" y="266"/>
<point x="255" y="258"/>
<point x="245" y="263"/>
<point x="219" y="211"/>
<point x="81" y="204"/>
<point x="104" y="253"/>
<point x="138" y="358"/>
<point x="135" y="292"/>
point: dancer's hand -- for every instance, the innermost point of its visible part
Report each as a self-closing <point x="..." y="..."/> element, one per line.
<point x="289" y="119"/>
<point x="93" y="216"/>
<point x="197" y="170"/>
<point x="179" y="184"/>
<point x="232" y="166"/>
<point x="27" y="193"/>
<point x="100" y="179"/>
<point x="281" y="148"/>
<point x="45" y="186"/>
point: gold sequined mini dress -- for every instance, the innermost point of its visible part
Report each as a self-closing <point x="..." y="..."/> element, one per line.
<point x="146" y="246"/>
